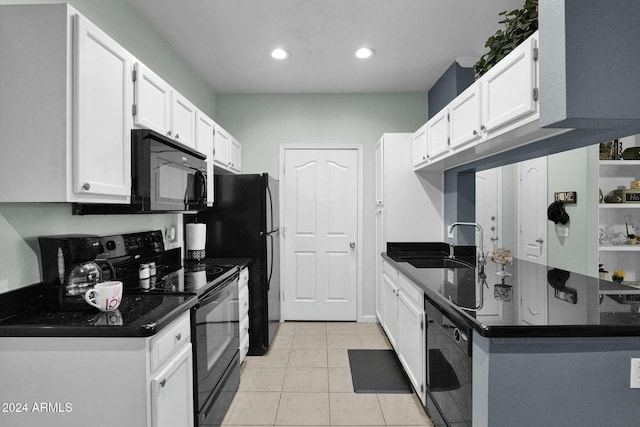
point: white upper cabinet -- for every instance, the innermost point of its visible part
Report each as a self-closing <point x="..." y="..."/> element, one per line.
<point x="228" y="152"/>
<point x="438" y="135"/>
<point x="205" y="130"/>
<point x="236" y="155"/>
<point x="464" y="113"/>
<point x="183" y="120"/>
<point x="501" y="104"/>
<point x="508" y="89"/>
<point x="161" y="108"/>
<point x="152" y="100"/>
<point x="419" y="147"/>
<point x="66" y="108"/>
<point x="102" y="140"/>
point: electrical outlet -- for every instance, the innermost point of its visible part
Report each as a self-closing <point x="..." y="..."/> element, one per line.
<point x="635" y="373"/>
<point x="563" y="231"/>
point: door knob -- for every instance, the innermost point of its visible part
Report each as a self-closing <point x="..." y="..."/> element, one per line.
<point x="539" y="240"/>
<point x="352" y="245"/>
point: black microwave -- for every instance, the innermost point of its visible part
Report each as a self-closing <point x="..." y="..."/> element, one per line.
<point x="166" y="176"/>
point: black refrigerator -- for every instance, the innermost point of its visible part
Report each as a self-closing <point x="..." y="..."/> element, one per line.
<point x="243" y="223"/>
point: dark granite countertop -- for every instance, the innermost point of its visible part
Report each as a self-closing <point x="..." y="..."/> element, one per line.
<point x="535" y="301"/>
<point x="27" y="313"/>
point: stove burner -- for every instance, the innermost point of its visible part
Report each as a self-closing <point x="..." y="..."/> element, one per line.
<point x="214" y="270"/>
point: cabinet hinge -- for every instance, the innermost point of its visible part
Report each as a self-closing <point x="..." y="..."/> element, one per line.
<point x="134" y="75"/>
<point x="422" y="325"/>
<point x="535" y="53"/>
<point x="134" y="109"/>
<point x="448" y="117"/>
<point x="448" y="140"/>
<point x="535" y="93"/>
<point x="421" y="388"/>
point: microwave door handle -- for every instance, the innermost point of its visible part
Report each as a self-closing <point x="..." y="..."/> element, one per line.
<point x="203" y="189"/>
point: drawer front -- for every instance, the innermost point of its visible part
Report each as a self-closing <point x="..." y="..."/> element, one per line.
<point x="411" y="291"/>
<point x="244" y="277"/>
<point x="391" y="272"/>
<point x="244" y="348"/>
<point x="172" y="337"/>
<point x="243" y="301"/>
<point x="244" y="328"/>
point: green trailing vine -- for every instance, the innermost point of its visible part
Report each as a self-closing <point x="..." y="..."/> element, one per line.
<point x="519" y="25"/>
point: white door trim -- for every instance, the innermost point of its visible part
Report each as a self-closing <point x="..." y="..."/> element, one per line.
<point x="327" y="146"/>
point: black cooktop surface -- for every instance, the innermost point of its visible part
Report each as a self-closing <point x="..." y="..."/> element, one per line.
<point x="192" y="278"/>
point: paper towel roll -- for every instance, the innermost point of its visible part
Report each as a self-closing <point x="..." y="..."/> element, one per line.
<point x="196" y="236"/>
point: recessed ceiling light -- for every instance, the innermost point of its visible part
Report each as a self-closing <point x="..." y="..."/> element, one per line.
<point x="364" y="53"/>
<point x="279" y="53"/>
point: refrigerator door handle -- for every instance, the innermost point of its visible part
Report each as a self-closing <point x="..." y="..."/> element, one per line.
<point x="270" y="262"/>
<point x="269" y="233"/>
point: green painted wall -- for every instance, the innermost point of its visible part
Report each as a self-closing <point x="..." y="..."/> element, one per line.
<point x="575" y="170"/>
<point x="263" y="122"/>
<point x="21" y="224"/>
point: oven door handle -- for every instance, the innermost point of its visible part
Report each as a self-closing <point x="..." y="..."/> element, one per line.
<point x="218" y="293"/>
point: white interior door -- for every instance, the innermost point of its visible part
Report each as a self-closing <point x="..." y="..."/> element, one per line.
<point x="321" y="220"/>
<point x="489" y="216"/>
<point x="532" y="210"/>
<point x="532" y="238"/>
<point x="489" y="207"/>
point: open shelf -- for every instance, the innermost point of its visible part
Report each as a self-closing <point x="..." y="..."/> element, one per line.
<point x="619" y="248"/>
<point x="619" y="205"/>
<point x="619" y="163"/>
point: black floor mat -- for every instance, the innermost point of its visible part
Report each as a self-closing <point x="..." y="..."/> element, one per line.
<point x="377" y="371"/>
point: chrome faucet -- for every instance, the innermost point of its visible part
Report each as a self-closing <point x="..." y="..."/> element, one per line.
<point x="482" y="258"/>
<point x="482" y="261"/>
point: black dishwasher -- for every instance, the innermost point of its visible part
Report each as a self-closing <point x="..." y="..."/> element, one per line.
<point x="448" y="346"/>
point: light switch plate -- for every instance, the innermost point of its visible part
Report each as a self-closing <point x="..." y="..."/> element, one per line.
<point x="635" y="373"/>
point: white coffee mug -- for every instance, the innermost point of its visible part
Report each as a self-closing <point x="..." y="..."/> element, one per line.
<point x="105" y="296"/>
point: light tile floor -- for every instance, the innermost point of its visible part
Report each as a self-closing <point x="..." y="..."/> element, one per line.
<point x="305" y="380"/>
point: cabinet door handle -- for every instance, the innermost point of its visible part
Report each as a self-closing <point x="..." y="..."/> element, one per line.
<point x="163" y="382"/>
<point x="179" y="336"/>
<point x="86" y="186"/>
<point x="475" y="132"/>
<point x="482" y="127"/>
<point x="169" y="133"/>
<point x="540" y="240"/>
<point x="177" y="135"/>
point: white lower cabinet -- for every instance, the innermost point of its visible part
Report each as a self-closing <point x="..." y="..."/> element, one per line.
<point x="101" y="381"/>
<point x="243" y="306"/>
<point x="390" y="309"/>
<point x="170" y="405"/>
<point x="403" y="322"/>
<point x="411" y="345"/>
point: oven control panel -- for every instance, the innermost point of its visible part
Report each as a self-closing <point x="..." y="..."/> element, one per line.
<point x="136" y="245"/>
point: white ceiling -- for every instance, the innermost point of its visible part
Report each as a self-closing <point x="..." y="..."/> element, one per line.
<point x="228" y="41"/>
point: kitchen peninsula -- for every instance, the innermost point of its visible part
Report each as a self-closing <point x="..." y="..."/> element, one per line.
<point x="556" y="351"/>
